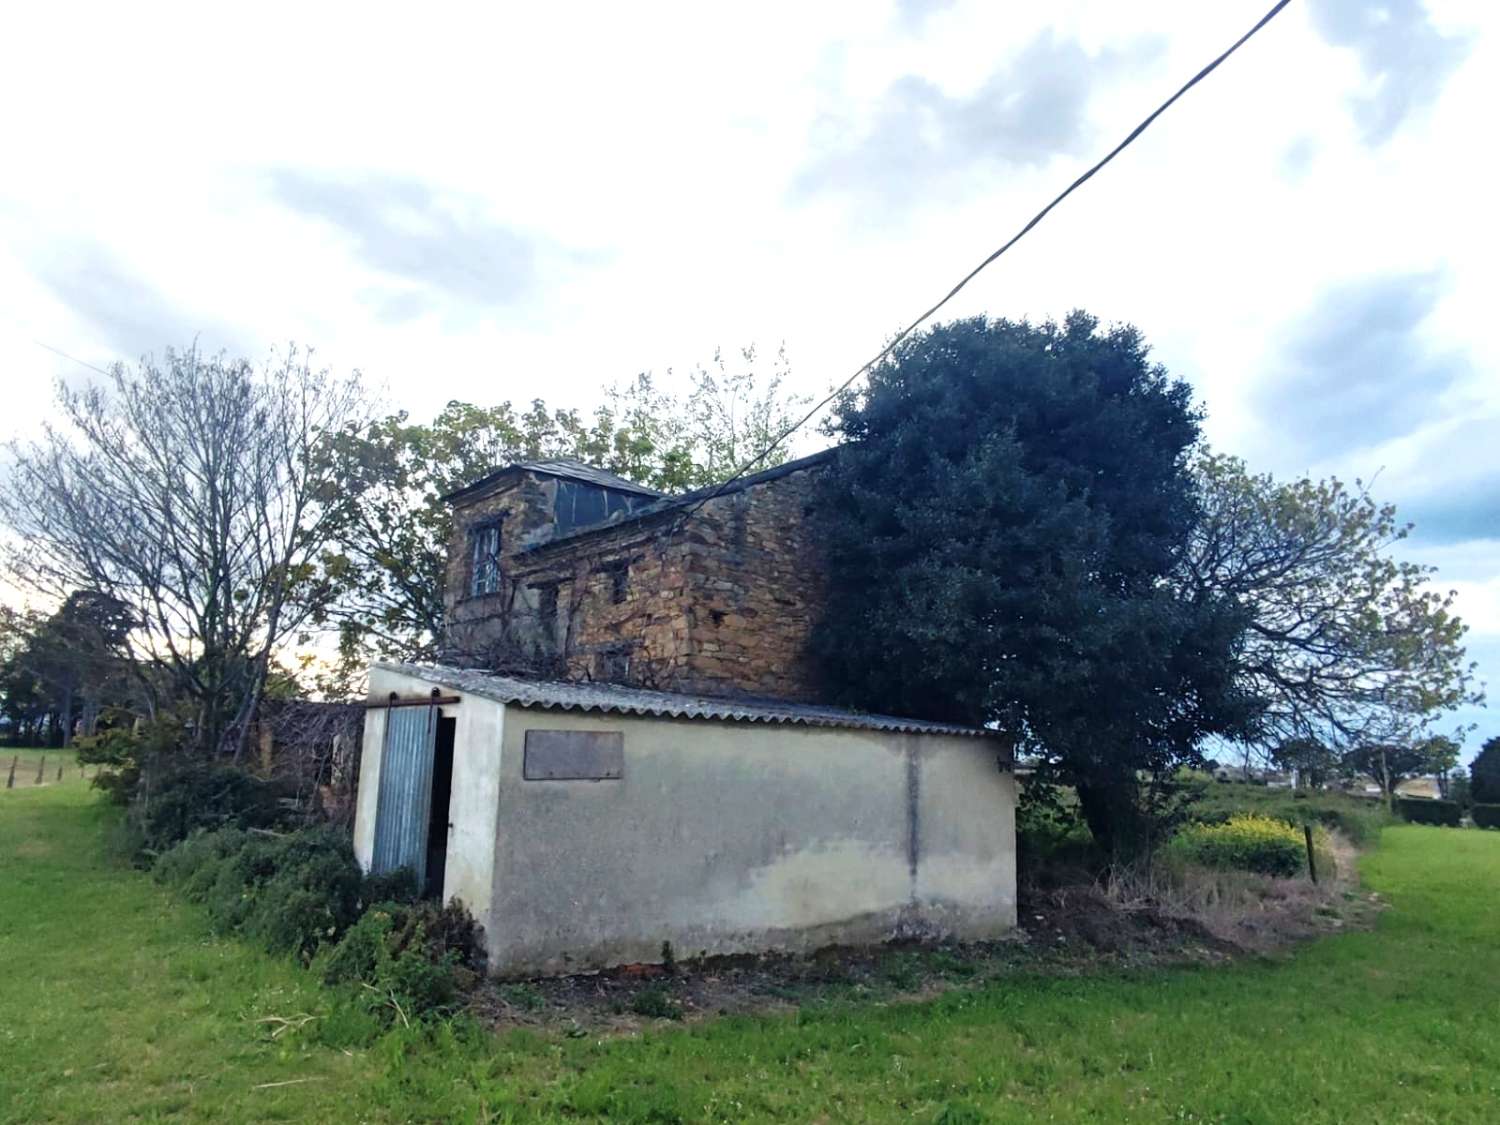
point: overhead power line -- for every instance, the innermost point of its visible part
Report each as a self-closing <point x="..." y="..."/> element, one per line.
<point x="760" y="457"/>
<point x="73" y="358"/>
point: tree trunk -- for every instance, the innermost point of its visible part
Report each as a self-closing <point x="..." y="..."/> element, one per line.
<point x="1112" y="810"/>
<point x="67" y="717"/>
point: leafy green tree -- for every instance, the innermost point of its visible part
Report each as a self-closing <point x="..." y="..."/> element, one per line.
<point x="1390" y="764"/>
<point x="1313" y="761"/>
<point x="1460" y="791"/>
<point x="1003" y="524"/>
<point x="1484" y="773"/>
<point x="1345" y="644"/>
<point x="80" y="655"/>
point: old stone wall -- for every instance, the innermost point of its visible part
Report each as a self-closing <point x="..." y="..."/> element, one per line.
<point x="720" y="600"/>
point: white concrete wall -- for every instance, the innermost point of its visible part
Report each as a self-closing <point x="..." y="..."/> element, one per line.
<point x="369" y="773"/>
<point x="719" y="838"/>
<point x="474" y="807"/>
<point x="475" y="801"/>
<point x="734" y="837"/>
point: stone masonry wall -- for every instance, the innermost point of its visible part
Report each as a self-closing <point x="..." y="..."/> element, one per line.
<point x="720" y="601"/>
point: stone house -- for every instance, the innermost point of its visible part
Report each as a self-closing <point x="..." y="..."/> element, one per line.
<point x="558" y="568"/>
<point x="624" y="749"/>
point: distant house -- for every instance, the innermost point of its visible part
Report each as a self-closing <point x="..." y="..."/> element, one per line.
<point x="1252" y="775"/>
<point x="625" y="747"/>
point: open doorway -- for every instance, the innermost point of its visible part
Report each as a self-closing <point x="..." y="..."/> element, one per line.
<point x="437" y="821"/>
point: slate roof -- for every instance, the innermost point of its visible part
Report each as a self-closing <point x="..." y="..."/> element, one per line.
<point x="616" y="699"/>
<point x="567" y="467"/>
<point x="668" y="503"/>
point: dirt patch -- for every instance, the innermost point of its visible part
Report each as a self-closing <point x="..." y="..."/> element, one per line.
<point x="1064" y="932"/>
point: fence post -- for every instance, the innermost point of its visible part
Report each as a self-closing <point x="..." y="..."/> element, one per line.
<point x="59" y="771"/>
<point x="1312" y="864"/>
<point x="41" y="768"/>
<point x="10" y="782"/>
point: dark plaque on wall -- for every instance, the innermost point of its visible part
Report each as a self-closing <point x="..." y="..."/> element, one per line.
<point x="573" y="755"/>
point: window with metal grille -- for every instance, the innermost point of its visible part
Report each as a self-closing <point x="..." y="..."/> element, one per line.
<point x="484" y="568"/>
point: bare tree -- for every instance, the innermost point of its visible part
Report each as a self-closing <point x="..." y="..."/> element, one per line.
<point x="196" y="492"/>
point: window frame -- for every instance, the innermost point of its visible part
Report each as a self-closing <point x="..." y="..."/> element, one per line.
<point x="484" y="565"/>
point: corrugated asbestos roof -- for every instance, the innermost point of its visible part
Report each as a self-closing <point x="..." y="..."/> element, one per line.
<point x="615" y="699"/>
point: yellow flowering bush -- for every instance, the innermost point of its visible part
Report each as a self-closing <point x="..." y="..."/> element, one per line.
<point x="1248" y="842"/>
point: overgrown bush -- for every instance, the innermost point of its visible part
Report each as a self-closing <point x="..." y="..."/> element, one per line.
<point x="175" y="799"/>
<point x="118" y="752"/>
<point x="1486" y="816"/>
<point x="290" y="893"/>
<point x="655" y="1002"/>
<point x="302" y="892"/>
<point x="399" y="885"/>
<point x="170" y="795"/>
<point x="410" y="960"/>
<point x="1245" y="842"/>
<point x="1420" y="810"/>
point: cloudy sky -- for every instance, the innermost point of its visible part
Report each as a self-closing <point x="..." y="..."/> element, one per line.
<point x="489" y="203"/>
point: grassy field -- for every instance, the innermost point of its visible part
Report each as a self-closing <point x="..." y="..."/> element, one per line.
<point x="29" y="761"/>
<point x="118" y="1006"/>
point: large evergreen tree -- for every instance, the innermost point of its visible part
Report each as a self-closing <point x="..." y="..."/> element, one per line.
<point x="1485" y="772"/>
<point x="1004" y="523"/>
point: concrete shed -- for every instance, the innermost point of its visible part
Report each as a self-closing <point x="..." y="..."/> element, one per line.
<point x="585" y="825"/>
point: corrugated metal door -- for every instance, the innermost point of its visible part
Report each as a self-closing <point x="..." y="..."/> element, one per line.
<point x="405" y="804"/>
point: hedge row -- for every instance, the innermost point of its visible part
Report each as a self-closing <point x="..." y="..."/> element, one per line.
<point x="1486" y="816"/>
<point x="1420" y="810"/>
<point x="1357" y="819"/>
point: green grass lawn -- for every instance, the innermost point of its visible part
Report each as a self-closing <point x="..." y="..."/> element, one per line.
<point x="117" y="1005"/>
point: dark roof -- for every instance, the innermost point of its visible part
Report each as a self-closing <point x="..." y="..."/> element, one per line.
<point x="566" y="467"/>
<point x="619" y="700"/>
<point x="674" y="503"/>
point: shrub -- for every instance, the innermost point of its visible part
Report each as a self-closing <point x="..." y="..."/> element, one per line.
<point x="311" y="896"/>
<point x="656" y="1002"/>
<point x="1486" y="816"/>
<point x="192" y="867"/>
<point x="291" y="893"/>
<point x="118" y="751"/>
<point x="1420" y="810"/>
<point x="176" y="799"/>
<point x="413" y="959"/>
<point x="170" y="793"/>
<point x="1246" y="842"/>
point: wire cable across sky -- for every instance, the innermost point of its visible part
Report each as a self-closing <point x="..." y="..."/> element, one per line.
<point x="781" y="438"/>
